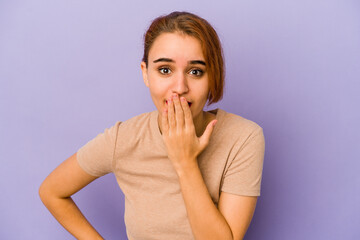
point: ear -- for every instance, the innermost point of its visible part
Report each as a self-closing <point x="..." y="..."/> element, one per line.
<point x="144" y="73"/>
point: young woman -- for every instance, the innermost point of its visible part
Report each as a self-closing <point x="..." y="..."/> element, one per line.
<point x="183" y="177"/>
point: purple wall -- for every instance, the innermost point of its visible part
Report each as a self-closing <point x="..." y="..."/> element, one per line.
<point x="70" y="69"/>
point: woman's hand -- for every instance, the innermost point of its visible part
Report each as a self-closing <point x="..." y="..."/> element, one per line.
<point x="183" y="146"/>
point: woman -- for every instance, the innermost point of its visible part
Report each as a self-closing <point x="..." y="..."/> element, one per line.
<point x="182" y="176"/>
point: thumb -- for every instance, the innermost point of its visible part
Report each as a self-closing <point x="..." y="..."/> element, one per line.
<point x="204" y="139"/>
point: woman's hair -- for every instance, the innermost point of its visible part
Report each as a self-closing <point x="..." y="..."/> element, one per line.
<point x="195" y="26"/>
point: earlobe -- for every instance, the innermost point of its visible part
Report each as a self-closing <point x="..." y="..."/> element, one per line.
<point x="144" y="73"/>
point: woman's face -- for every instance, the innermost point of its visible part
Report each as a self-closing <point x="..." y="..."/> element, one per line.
<point x="176" y="64"/>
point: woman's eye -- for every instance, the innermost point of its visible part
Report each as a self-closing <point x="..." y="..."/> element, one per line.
<point x="197" y="72"/>
<point x="164" y="70"/>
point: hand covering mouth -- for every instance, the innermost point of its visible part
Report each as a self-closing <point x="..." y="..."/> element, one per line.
<point x="190" y="103"/>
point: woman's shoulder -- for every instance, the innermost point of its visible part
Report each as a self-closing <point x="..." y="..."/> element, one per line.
<point x="135" y="124"/>
<point x="235" y="122"/>
<point x="137" y="120"/>
<point x="133" y="129"/>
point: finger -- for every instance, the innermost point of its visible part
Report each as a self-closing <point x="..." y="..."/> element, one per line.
<point x="205" y="138"/>
<point x="187" y="113"/>
<point x="164" y="121"/>
<point x="179" y="114"/>
<point x="171" y="115"/>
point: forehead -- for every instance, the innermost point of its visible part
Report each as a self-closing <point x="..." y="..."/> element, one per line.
<point x="176" y="46"/>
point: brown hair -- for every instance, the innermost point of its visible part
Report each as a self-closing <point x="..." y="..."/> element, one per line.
<point x="195" y="26"/>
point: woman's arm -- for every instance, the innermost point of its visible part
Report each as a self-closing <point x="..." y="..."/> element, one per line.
<point x="55" y="192"/>
<point x="238" y="212"/>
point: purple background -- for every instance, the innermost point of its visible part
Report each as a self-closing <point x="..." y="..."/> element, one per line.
<point x="70" y="69"/>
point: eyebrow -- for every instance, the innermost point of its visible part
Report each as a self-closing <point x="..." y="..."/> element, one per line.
<point x="170" y="60"/>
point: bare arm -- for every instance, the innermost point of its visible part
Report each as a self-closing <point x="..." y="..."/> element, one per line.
<point x="55" y="192"/>
<point x="238" y="212"/>
<point x="206" y="221"/>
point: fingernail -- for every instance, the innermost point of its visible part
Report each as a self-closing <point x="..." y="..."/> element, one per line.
<point x="175" y="95"/>
<point x="214" y="123"/>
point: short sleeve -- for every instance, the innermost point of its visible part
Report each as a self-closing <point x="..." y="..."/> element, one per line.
<point x="244" y="174"/>
<point x="96" y="156"/>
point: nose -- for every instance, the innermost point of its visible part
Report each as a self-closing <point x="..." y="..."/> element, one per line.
<point x="180" y="84"/>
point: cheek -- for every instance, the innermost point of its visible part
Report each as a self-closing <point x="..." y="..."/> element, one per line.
<point x="158" y="88"/>
<point x="202" y="89"/>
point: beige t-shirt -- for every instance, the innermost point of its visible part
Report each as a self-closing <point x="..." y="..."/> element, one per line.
<point x="154" y="207"/>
